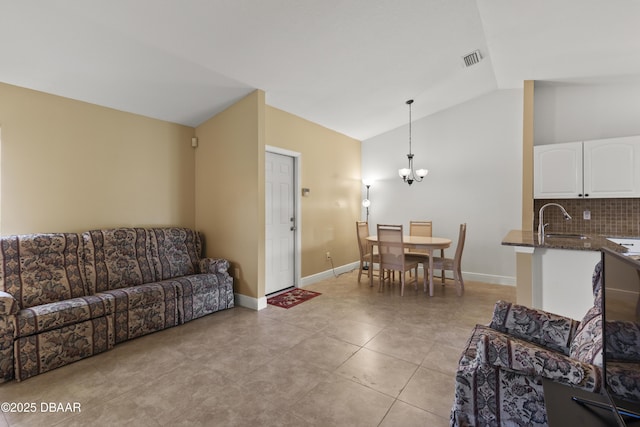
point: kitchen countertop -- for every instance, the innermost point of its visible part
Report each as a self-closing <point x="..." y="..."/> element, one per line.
<point x="530" y="239"/>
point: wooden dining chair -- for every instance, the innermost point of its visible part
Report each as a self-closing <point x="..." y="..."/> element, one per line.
<point x="422" y="229"/>
<point x="453" y="264"/>
<point x="392" y="255"/>
<point x="362" y="231"/>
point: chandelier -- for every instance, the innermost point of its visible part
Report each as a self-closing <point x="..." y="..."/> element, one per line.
<point x="409" y="175"/>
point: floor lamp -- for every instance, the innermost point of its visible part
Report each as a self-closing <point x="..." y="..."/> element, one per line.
<point x="366" y="203"/>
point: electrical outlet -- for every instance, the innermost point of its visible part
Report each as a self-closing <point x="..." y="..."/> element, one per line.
<point x="586" y="214"/>
<point x="328" y="255"/>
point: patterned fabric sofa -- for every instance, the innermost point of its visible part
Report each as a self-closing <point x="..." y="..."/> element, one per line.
<point x="500" y="372"/>
<point x="64" y="296"/>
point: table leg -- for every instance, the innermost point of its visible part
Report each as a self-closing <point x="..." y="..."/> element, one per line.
<point x="430" y="272"/>
<point x="370" y="249"/>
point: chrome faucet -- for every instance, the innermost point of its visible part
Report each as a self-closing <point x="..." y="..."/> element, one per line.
<point x="542" y="225"/>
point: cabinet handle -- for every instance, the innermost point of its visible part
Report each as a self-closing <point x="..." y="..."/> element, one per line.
<point x="586" y="195"/>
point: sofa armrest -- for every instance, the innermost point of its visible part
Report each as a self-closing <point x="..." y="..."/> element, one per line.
<point x="534" y="325"/>
<point x="497" y="349"/>
<point x="214" y="265"/>
<point x="8" y="304"/>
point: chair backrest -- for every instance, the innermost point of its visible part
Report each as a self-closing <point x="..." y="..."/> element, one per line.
<point x="422" y="229"/>
<point x="457" y="258"/>
<point x="362" y="231"/>
<point x="390" y="246"/>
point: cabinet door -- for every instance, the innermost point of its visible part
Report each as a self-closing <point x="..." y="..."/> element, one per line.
<point x="557" y="171"/>
<point x="612" y="167"/>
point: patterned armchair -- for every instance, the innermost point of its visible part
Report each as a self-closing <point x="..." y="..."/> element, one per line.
<point x="499" y="378"/>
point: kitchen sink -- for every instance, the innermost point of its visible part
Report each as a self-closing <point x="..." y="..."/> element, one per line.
<point x="566" y="236"/>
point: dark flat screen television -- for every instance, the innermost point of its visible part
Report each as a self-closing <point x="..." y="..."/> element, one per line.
<point x="620" y="304"/>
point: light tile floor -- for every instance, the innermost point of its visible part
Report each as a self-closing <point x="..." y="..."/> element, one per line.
<point x="350" y="357"/>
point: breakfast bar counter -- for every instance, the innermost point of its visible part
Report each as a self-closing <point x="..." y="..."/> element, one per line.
<point x="586" y="242"/>
<point x="560" y="269"/>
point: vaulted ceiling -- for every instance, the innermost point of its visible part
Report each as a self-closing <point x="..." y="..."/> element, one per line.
<point x="348" y="65"/>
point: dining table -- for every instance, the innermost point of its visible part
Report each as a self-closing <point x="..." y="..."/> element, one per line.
<point x="416" y="242"/>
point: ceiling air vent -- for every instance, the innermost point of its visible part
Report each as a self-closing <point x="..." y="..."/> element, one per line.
<point x="472" y="58"/>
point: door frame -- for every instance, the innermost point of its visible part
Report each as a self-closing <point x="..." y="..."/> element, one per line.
<point x="297" y="164"/>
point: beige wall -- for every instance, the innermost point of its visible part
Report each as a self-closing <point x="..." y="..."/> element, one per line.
<point x="230" y="190"/>
<point x="72" y="166"/>
<point x="330" y="168"/>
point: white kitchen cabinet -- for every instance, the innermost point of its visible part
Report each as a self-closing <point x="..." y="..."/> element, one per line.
<point x="612" y="167"/>
<point x="604" y="168"/>
<point x="557" y="171"/>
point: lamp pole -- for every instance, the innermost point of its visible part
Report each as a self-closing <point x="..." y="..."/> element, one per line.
<point x="366" y="203"/>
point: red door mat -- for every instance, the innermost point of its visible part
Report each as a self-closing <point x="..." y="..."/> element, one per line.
<point x="292" y="298"/>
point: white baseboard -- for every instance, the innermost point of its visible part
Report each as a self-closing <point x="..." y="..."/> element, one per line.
<point x="250" y="302"/>
<point x="327" y="274"/>
<point x="489" y="278"/>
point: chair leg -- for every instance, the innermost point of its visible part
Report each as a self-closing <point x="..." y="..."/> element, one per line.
<point x="459" y="282"/>
<point x="402" y="277"/>
<point x="360" y="272"/>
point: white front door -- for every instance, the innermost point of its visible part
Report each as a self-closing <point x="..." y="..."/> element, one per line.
<point x="280" y="222"/>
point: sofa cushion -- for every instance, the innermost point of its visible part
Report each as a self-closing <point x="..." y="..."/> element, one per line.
<point x="143" y="309"/>
<point x="533" y="325"/>
<point x="46" y="317"/>
<point x="179" y="252"/>
<point x="42" y="268"/>
<point x="118" y="258"/>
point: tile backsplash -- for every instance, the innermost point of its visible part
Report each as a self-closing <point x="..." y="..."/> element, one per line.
<point x="609" y="217"/>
